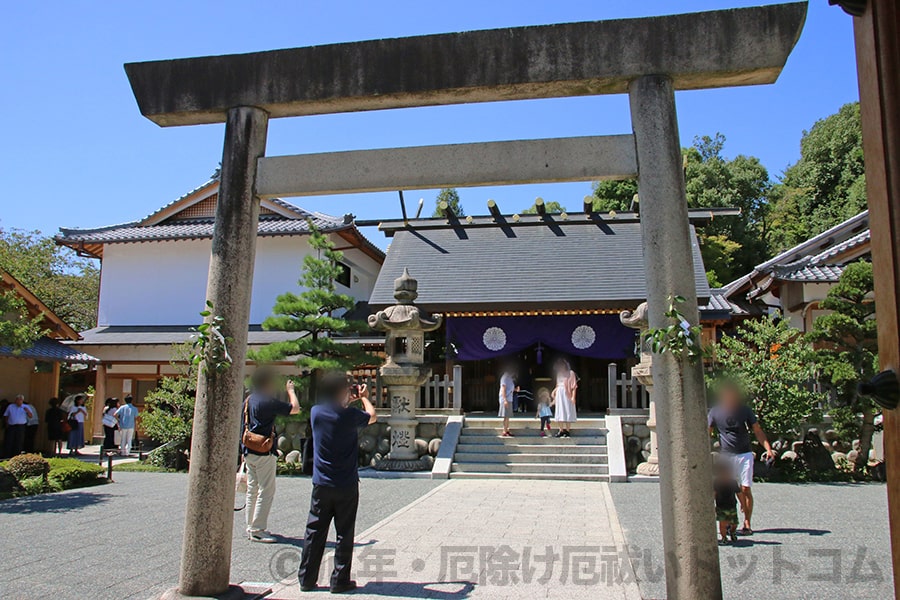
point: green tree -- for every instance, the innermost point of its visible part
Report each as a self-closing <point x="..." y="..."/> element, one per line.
<point x="312" y="315"/>
<point x="169" y="414"/>
<point x="847" y="350"/>
<point x="826" y="185"/>
<point x="730" y="246"/>
<point x="552" y="207"/>
<point x="17" y="330"/>
<point x="775" y="364"/>
<point x="451" y="197"/>
<point x="67" y="284"/>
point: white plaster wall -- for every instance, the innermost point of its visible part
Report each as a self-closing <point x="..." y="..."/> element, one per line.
<point x="164" y="283"/>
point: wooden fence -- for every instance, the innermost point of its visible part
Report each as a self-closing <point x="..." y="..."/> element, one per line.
<point x="625" y="393"/>
<point x="438" y="395"/>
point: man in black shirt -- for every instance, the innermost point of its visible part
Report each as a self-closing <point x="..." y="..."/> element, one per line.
<point x="260" y="411"/>
<point x="733" y="420"/>
<point x="335" y="495"/>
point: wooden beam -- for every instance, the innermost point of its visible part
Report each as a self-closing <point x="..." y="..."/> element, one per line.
<point x="454" y="165"/>
<point x="877" y="34"/>
<point x="747" y="46"/>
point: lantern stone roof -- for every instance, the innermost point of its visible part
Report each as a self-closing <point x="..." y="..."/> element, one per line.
<point x="588" y="264"/>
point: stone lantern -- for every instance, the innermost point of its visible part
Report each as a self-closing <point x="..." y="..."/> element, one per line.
<point x="403" y="372"/>
<point x="642" y="371"/>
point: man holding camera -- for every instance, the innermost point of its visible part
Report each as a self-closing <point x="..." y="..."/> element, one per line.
<point x="260" y="411"/>
<point x="335" y="495"/>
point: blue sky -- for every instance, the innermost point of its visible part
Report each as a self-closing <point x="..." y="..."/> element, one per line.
<point x="75" y="152"/>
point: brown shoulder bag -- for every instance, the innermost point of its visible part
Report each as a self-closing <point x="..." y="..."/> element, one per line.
<point x="255" y="441"/>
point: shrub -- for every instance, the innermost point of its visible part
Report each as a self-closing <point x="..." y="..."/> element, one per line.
<point x="169" y="456"/>
<point x="74" y="475"/>
<point x="24" y="466"/>
<point x="32" y="486"/>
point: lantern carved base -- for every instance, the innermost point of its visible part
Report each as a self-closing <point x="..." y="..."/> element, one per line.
<point x="401" y="464"/>
<point x="649" y="469"/>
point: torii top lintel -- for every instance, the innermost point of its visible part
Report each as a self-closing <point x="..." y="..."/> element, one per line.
<point x="736" y="47"/>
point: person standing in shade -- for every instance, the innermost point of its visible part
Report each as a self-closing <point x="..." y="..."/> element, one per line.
<point x="506" y="397"/>
<point x="126" y="415"/>
<point x="77" y="414"/>
<point x="110" y="423"/>
<point x="260" y="410"/>
<point x="16" y="418"/>
<point x="31" y="427"/>
<point x="335" y="494"/>
<point x="733" y="420"/>
<point x="54" y="418"/>
<point x="564" y="397"/>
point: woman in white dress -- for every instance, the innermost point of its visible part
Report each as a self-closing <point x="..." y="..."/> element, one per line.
<point x="564" y="397"/>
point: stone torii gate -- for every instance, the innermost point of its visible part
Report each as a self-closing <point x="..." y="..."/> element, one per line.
<point x="649" y="59"/>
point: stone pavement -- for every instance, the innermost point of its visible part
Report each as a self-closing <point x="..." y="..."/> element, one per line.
<point x="811" y="541"/>
<point x="123" y="540"/>
<point x="493" y="539"/>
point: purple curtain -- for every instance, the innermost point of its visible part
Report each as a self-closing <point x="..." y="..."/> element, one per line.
<point x="596" y="336"/>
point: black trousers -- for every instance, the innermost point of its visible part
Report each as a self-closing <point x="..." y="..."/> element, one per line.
<point x="30" y="435"/>
<point x="327" y="504"/>
<point x="109" y="438"/>
<point x="15" y="439"/>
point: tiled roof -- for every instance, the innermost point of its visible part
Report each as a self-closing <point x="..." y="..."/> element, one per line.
<point x="195" y="229"/>
<point x="155" y="335"/>
<point x="845" y="246"/>
<point x="719" y="306"/>
<point x="46" y="349"/>
<point x="535" y="266"/>
<point x="809" y="273"/>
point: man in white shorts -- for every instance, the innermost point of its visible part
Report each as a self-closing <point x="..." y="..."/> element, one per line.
<point x="733" y="420"/>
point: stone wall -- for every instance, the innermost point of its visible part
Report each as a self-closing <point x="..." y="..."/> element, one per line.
<point x="374" y="440"/>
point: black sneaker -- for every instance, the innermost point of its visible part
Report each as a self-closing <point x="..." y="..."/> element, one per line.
<point x="559" y="434"/>
<point x="341" y="588"/>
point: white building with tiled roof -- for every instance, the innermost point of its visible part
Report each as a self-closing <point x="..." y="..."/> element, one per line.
<point x="797" y="280"/>
<point x="154" y="274"/>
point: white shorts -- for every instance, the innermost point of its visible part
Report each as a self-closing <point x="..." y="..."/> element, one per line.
<point x="742" y="465"/>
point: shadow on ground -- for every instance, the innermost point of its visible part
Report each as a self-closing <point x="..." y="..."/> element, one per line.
<point x="445" y="590"/>
<point x="53" y="503"/>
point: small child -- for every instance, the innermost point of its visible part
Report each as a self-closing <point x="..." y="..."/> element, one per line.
<point x="725" y="487"/>
<point x="543" y="412"/>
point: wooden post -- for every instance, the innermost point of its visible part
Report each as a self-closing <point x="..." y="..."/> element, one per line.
<point x="457" y="389"/>
<point x="96" y="425"/>
<point x="612" y="370"/>
<point x="209" y="518"/>
<point x="877" y="34"/>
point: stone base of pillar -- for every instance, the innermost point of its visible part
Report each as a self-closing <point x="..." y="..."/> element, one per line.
<point x="649" y="469"/>
<point x="234" y="592"/>
<point x="401" y="464"/>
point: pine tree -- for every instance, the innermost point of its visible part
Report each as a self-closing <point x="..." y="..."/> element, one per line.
<point x="311" y="314"/>
<point x="847" y="340"/>
<point x="451" y="197"/>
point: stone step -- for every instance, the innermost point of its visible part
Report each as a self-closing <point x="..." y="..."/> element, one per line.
<point x="534" y="440"/>
<point x="497" y="457"/>
<point x="537" y="448"/>
<point x="533" y="476"/>
<point x="529" y="431"/>
<point x="520" y="468"/>
<point x="531" y="421"/>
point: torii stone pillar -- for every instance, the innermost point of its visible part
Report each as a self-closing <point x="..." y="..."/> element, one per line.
<point x="404" y="371"/>
<point x="692" y="554"/>
<point x="637" y="319"/>
<point x="208" y="521"/>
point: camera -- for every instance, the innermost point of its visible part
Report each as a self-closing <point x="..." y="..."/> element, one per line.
<point x="354" y="390"/>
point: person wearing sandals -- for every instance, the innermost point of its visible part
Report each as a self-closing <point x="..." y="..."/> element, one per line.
<point x="507" y="393"/>
<point x="734" y="420"/>
<point x="564" y="397"/>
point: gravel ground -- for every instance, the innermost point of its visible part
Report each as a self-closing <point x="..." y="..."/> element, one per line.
<point x="810" y="541"/>
<point x="123" y="540"/>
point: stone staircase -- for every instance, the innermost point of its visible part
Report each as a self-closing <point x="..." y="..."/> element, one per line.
<point x="481" y="453"/>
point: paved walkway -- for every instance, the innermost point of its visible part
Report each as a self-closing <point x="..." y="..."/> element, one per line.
<point x="494" y="539"/>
